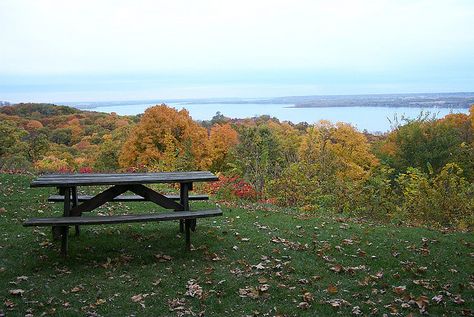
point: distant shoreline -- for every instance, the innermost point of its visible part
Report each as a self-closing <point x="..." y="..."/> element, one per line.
<point x="460" y="100"/>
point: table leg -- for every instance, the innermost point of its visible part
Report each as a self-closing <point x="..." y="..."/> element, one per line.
<point x="75" y="202"/>
<point x="184" y="200"/>
<point x="65" y="229"/>
<point x="55" y="230"/>
<point x="187" y="224"/>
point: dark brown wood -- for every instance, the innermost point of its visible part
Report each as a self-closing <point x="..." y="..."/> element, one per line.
<point x="65" y="229"/>
<point x="187" y="225"/>
<point x="70" y="180"/>
<point x="75" y="203"/>
<point x="184" y="200"/>
<point x="159" y="199"/>
<point x="99" y="199"/>
<point x="97" y="220"/>
<point x="125" y="198"/>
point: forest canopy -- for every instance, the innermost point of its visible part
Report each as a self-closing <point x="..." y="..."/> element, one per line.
<point x="421" y="172"/>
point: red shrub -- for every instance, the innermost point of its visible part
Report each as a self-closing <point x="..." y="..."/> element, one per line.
<point x="232" y="187"/>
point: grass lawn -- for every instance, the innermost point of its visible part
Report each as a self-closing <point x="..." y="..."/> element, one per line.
<point x="252" y="261"/>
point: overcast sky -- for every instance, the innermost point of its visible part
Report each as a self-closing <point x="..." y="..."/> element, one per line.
<point x="122" y="49"/>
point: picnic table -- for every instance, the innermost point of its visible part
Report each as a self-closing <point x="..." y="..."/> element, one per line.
<point x="75" y="205"/>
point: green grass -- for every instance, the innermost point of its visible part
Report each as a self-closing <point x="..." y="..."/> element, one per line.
<point x="248" y="248"/>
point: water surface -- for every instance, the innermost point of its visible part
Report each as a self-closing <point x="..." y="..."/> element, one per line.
<point x="373" y="119"/>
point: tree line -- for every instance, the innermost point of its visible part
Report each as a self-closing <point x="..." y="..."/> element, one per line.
<point x="421" y="172"/>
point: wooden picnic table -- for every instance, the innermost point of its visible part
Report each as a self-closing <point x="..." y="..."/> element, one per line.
<point x="75" y="205"/>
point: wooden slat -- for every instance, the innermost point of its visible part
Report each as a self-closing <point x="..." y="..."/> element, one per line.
<point x="125" y="198"/>
<point x="69" y="180"/>
<point x="96" y="220"/>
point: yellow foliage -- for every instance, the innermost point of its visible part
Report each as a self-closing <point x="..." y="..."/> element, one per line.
<point x="338" y="145"/>
<point x="222" y="139"/>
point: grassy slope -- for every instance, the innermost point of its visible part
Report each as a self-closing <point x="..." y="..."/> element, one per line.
<point x="110" y="264"/>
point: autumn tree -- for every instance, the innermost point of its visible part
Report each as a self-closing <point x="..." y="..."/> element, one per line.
<point x="429" y="144"/>
<point x="257" y="155"/>
<point x="162" y="138"/>
<point x="222" y="139"/>
<point x="334" y="161"/>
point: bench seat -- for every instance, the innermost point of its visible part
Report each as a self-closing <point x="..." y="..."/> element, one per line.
<point x="124" y="198"/>
<point x="63" y="223"/>
<point x="96" y="220"/>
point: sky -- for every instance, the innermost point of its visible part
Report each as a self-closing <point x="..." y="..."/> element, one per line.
<point x="93" y="50"/>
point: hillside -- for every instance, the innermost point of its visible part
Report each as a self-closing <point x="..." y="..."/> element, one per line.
<point x="256" y="260"/>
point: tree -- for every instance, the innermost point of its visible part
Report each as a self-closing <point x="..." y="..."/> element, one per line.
<point x="222" y="139"/>
<point x="11" y="139"/>
<point x="429" y="144"/>
<point x="162" y="136"/>
<point x="257" y="155"/>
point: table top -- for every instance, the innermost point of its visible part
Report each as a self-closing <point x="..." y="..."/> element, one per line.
<point x="70" y="180"/>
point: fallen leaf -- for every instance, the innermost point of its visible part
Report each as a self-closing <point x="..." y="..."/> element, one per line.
<point x="264" y="287"/>
<point x="137" y="298"/>
<point x="337" y="268"/>
<point x="458" y="300"/>
<point x="304" y="305"/>
<point x="399" y="289"/>
<point x="16" y="292"/>
<point x="332" y="289"/>
<point x="8" y="303"/>
<point x="76" y="289"/>
<point x="437" y="299"/>
<point x="356" y="310"/>
<point x="308" y="297"/>
<point x="422" y="302"/>
<point x="163" y="258"/>
<point x="193" y="289"/>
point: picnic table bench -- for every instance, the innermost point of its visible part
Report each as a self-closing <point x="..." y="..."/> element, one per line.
<point x="75" y="205"/>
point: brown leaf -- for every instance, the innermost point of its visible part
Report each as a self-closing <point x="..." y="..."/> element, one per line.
<point x="76" y="289"/>
<point x="332" y="289"/>
<point x="163" y="258"/>
<point x="304" y="305"/>
<point x="399" y="289"/>
<point x="422" y="302"/>
<point x="8" y="303"/>
<point x="177" y="304"/>
<point x="137" y="298"/>
<point x="16" y="292"/>
<point x="437" y="299"/>
<point x="337" y="268"/>
<point x="193" y="289"/>
<point x="337" y="302"/>
<point x="308" y="297"/>
<point x="458" y="300"/>
<point x="264" y="287"/>
<point x="356" y="310"/>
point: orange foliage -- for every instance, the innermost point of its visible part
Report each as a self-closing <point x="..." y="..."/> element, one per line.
<point x="32" y="125"/>
<point x="163" y="138"/>
<point x="221" y="140"/>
